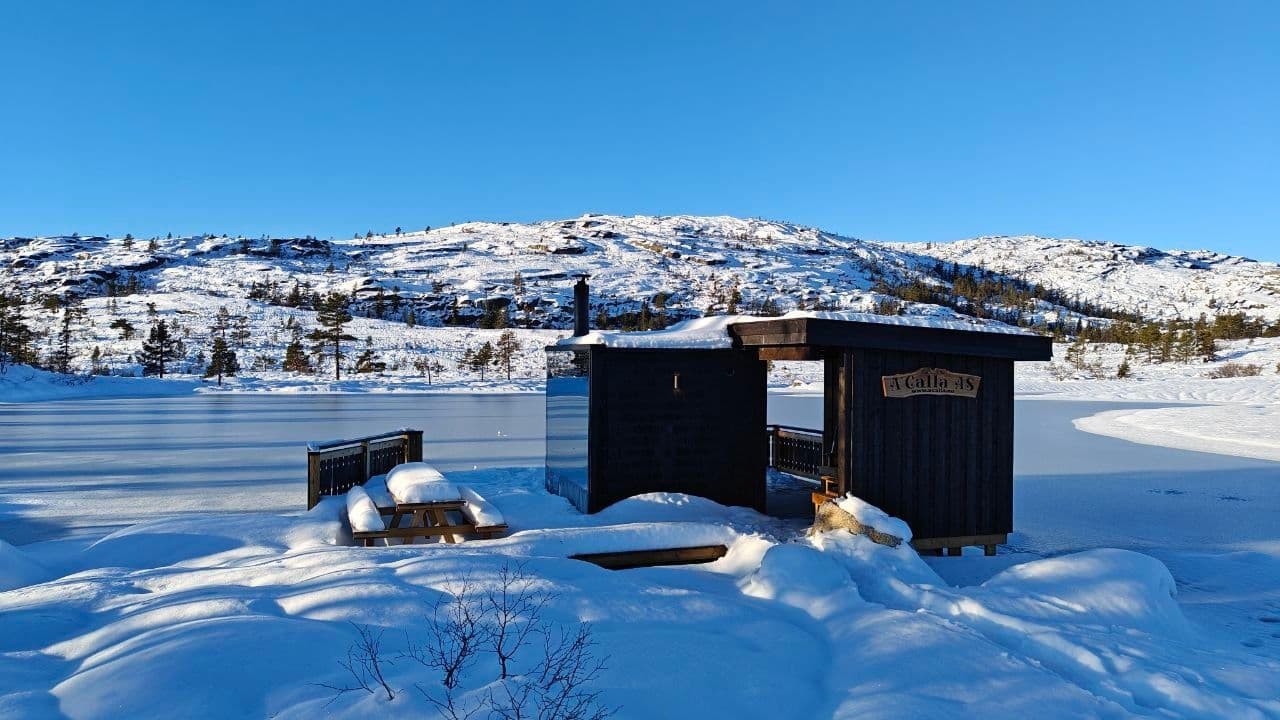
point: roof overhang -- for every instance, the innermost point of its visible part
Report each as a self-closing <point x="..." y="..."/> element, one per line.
<point x="849" y="334"/>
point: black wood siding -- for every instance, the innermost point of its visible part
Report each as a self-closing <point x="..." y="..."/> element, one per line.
<point x="943" y="464"/>
<point x="707" y="439"/>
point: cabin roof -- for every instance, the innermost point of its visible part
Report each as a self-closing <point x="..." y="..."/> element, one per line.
<point x="818" y="332"/>
<point x="907" y="333"/>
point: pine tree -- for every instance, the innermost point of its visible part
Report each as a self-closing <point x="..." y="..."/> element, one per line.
<point x="333" y="316"/>
<point x="240" y="334"/>
<point x="159" y="349"/>
<point x="505" y="350"/>
<point x="295" y="355"/>
<point x="125" y="327"/>
<point x="128" y="241"/>
<point x="71" y="314"/>
<point x="153" y="245"/>
<point x="15" y="337"/>
<point x="1206" y="346"/>
<point x="1124" y="370"/>
<point x="495" y="317"/>
<point x="1076" y="352"/>
<point x="222" y="359"/>
<point x="479" y="359"/>
<point x="517" y="283"/>
<point x="368" y="361"/>
<point x="428" y="366"/>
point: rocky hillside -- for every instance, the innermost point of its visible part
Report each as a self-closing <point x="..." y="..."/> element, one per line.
<point x="645" y="272"/>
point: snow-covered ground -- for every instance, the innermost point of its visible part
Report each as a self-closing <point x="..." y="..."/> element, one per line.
<point x="204" y="614"/>
<point x="250" y="616"/>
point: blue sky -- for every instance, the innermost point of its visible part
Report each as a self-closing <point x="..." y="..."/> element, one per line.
<point x="1146" y="123"/>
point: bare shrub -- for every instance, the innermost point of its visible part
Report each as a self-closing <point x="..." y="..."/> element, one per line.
<point x="555" y="684"/>
<point x="364" y="664"/>
<point x="456" y="633"/>
<point x="1232" y="370"/>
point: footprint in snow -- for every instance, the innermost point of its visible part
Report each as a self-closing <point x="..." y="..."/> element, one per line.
<point x="1235" y="498"/>
<point x="1167" y="491"/>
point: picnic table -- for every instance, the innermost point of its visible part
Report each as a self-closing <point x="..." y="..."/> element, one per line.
<point x="421" y="503"/>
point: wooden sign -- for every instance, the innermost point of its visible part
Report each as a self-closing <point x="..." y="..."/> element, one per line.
<point x="930" y="381"/>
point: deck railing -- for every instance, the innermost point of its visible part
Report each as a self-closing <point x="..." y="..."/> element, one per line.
<point x="336" y="466"/>
<point x="796" y="451"/>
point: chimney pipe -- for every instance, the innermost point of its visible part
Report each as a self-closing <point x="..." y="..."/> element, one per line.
<point x="581" y="306"/>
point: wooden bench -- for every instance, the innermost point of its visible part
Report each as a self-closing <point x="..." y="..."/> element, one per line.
<point x="429" y="513"/>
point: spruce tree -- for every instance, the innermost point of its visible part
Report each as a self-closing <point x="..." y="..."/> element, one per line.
<point x="71" y="314"/>
<point x="159" y="349"/>
<point x="295" y="355"/>
<point x="222" y="359"/>
<point x="15" y="337"/>
<point x="333" y="316"/>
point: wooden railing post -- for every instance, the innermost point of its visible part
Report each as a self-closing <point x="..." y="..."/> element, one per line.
<point x="413" y="446"/>
<point x="364" y="454"/>
<point x="313" y="479"/>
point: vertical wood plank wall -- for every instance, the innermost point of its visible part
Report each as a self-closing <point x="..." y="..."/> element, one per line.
<point x="943" y="464"/>
<point x="706" y="438"/>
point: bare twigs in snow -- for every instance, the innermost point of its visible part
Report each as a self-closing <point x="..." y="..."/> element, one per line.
<point x="515" y="609"/>
<point x="364" y="664"/>
<point x="542" y="671"/>
<point x="456" y="634"/>
<point x="559" y="685"/>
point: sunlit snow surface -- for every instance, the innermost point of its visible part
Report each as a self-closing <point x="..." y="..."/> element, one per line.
<point x="240" y="615"/>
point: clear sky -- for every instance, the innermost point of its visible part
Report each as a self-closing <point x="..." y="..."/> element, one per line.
<point x="1147" y="123"/>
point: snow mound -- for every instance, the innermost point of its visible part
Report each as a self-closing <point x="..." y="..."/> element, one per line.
<point x="798" y="575"/>
<point x="17" y="569"/>
<point x="872" y="516"/>
<point x="1107" y="586"/>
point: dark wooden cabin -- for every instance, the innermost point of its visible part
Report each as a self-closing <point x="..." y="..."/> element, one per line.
<point x="918" y="420"/>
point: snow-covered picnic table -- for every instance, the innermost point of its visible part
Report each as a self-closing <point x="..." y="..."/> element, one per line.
<point x="433" y="506"/>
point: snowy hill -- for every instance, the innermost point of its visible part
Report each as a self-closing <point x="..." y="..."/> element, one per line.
<point x="1154" y="283"/>
<point x="644" y="271"/>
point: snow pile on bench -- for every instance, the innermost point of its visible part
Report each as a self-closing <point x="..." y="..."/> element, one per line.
<point x="481" y="512"/>
<point x="362" y="513"/>
<point x="376" y="486"/>
<point x="415" y="482"/>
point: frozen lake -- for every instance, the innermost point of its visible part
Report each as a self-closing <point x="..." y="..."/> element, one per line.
<point x="88" y="467"/>
<point x="79" y="467"/>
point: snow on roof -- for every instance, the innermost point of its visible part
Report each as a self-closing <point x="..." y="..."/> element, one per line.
<point x="712" y="333"/>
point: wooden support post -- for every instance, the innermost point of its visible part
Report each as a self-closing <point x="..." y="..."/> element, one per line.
<point x="955" y="551"/>
<point x="989" y="550"/>
<point x="313" y="480"/>
<point x="413" y="446"/>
